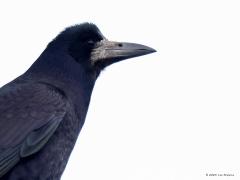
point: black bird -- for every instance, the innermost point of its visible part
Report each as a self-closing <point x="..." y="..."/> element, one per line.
<point x="43" y="110"/>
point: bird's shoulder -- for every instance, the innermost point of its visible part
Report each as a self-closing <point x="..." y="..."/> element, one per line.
<point x="30" y="102"/>
<point x="29" y="91"/>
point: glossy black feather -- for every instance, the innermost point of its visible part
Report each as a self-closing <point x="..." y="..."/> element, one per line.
<point x="43" y="110"/>
<point x="29" y="115"/>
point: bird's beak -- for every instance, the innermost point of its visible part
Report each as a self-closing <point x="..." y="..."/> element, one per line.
<point x="108" y="52"/>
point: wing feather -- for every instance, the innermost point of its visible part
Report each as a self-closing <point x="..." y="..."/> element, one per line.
<point x="29" y="115"/>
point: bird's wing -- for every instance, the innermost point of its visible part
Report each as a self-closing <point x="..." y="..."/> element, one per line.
<point x="29" y="115"/>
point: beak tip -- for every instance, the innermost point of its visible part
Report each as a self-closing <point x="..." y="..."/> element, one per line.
<point x="151" y="50"/>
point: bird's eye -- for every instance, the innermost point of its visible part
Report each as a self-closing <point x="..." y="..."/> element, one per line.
<point x="90" y="42"/>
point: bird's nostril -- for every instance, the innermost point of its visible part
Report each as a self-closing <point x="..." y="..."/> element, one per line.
<point x="120" y="45"/>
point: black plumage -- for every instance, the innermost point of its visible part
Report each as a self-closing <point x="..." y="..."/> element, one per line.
<point x="43" y="110"/>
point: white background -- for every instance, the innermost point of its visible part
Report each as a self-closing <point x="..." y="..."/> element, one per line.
<point x="171" y="115"/>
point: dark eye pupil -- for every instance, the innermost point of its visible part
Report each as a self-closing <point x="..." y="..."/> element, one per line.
<point x="90" y="42"/>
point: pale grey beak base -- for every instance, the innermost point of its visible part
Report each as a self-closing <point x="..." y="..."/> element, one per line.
<point x="110" y="52"/>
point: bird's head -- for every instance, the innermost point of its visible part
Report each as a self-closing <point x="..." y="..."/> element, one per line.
<point x="87" y="45"/>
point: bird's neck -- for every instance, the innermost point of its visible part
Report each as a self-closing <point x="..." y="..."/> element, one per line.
<point x="61" y="70"/>
<point x="69" y="76"/>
